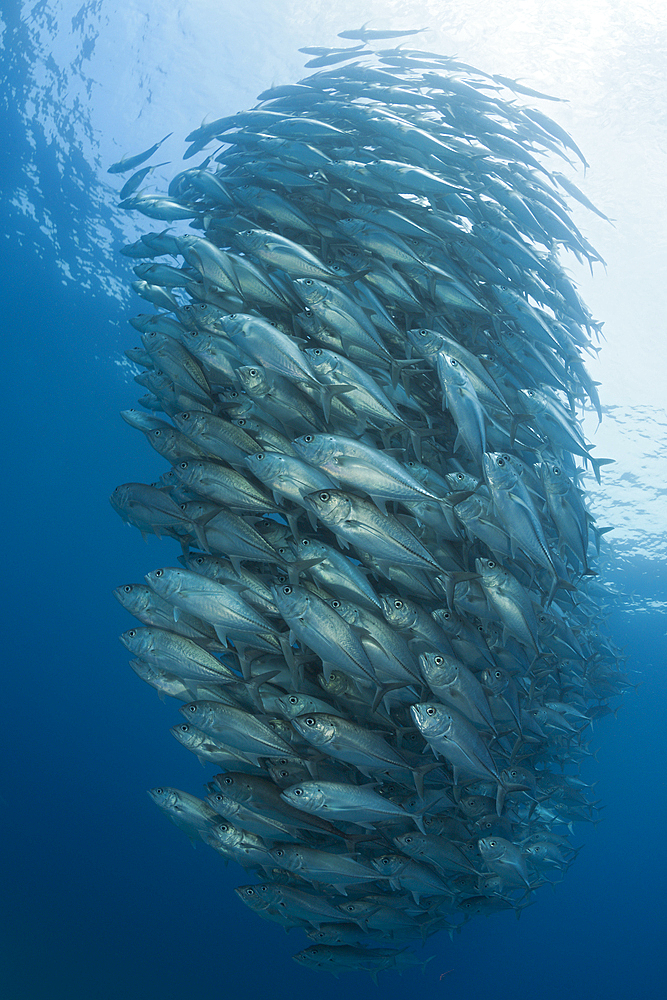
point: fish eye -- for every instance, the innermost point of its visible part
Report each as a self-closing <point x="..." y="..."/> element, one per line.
<point x="184" y="728"/>
<point x="250" y="892"/>
<point x="430" y="711"/>
<point x="241" y="422"/>
<point x="438" y="660"/>
<point x="335" y="604"/>
<point x="127" y="588"/>
<point x="259" y="456"/>
<point x="287" y="591"/>
<point x="157" y="432"/>
<point x="407" y="840"/>
<point x="262" y="888"/>
<point x="308" y="281"/>
<point x="556" y="471"/>
<point x="492" y="843"/>
<point x="498" y="675"/>
<point x="453" y="362"/>
<point x="324" y="497"/>
<point x="279" y="853"/>
<point x="317" y="350"/>
<point x="491" y="564"/>
<point x="308" y="438"/>
<point x="283" y="774"/>
<point x="398" y="605"/>
<point x="294" y="700"/>
<point x="132" y="633"/>
<point x="309" y="721"/>
<point x="219" y="798"/>
<point x="183" y="465"/>
<point x="159" y="791"/>
<point x="298" y="791"/>
<point x="192" y="709"/>
<point x="460" y="477"/>
<point x="305" y="541"/>
<point x="253" y="372"/>
<point x="385" y="861"/>
<point x="423" y="333"/>
<point x="159" y="572"/>
<point x="447" y="615"/>
<point x="500" y="462"/>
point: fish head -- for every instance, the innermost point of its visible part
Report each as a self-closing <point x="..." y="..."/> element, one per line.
<point x="234" y="785"/>
<point x="310" y="290"/>
<point x="493" y="825"/>
<point x="491" y="572"/>
<point x="188" y="736"/>
<point x="165" y="798"/>
<point x="188" y="422"/>
<point x="155" y="340"/>
<point x="281" y="728"/>
<point x="398" y="612"/>
<point x="331" y="506"/>
<point x="461" y="482"/>
<point x="438" y="669"/>
<point x="292" y="602"/>
<point x="293" y="705"/>
<point x="321" y="361"/>
<point x="285" y="772"/>
<point x="554" y="478"/>
<point x="139" y="641"/>
<point x="253" y="379"/>
<point x="227" y="834"/>
<point x="133" y="596"/>
<point x="310" y="548"/>
<point x="315" y="448"/>
<point x="532" y="400"/>
<point x="388" y="864"/>
<point x="453" y="371"/>
<point x="307" y="796"/>
<point x="317" y="728"/>
<point x="499" y="471"/>
<point x="336" y="684"/>
<point x="257" y="897"/>
<point x="493" y="848"/>
<point x="410" y="843"/>
<point x="347" y="612"/>
<point x="425" y="342"/>
<point x="287" y="857"/>
<point x="165" y="581"/>
<point x="432" y="720"/>
<point x="222" y="803"/>
<point x="265" y="464"/>
<point x="494" y="680"/>
<point x="250" y="239"/>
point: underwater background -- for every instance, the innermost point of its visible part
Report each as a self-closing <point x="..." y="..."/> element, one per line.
<point x="101" y="897"/>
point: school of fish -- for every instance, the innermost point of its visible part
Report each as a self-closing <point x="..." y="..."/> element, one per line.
<point x="365" y="370"/>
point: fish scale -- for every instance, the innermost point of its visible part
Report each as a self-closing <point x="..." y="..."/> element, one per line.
<point x="380" y="224"/>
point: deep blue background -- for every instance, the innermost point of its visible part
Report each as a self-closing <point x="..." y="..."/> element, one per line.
<point x="102" y="898"/>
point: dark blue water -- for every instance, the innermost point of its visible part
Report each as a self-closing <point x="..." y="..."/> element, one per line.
<point x="101" y="897"/>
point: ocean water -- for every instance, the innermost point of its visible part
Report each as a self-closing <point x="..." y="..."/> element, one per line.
<point x="101" y="897"/>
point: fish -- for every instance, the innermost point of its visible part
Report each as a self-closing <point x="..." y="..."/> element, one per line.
<point x="365" y="370"/>
<point x="130" y="162"/>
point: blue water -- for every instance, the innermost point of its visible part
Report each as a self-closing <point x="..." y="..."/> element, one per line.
<point x="101" y="897"/>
